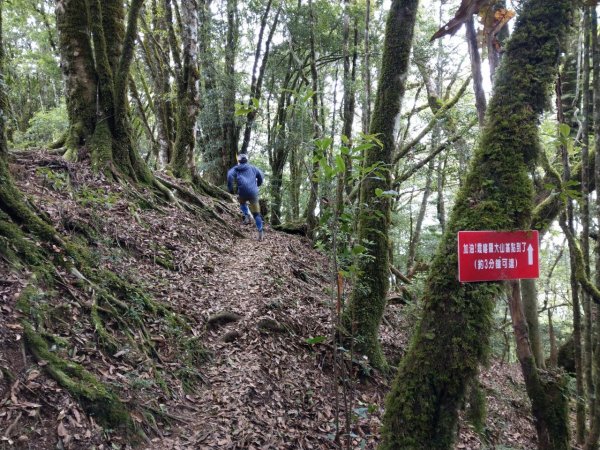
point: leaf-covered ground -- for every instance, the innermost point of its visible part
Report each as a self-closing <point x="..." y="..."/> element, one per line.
<point x="254" y="307"/>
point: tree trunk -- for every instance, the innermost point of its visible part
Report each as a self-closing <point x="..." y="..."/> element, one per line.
<point x="295" y="182"/>
<point x="257" y="80"/>
<point x="157" y="58"/>
<point x="230" y="129"/>
<point x="367" y="302"/>
<point x="278" y="145"/>
<point x="580" y="389"/>
<point x="311" y="218"/>
<point x="107" y="132"/>
<point x="480" y="102"/>
<point x="215" y="159"/>
<point x="548" y="402"/>
<point x="367" y="71"/>
<point x="77" y="63"/>
<point x="416" y="235"/>
<point x="452" y="337"/>
<point x="553" y="360"/>
<point x="530" y="309"/>
<point x="183" y="164"/>
<point x="585" y="209"/>
<point x="344" y="179"/>
<point x="594" y="434"/>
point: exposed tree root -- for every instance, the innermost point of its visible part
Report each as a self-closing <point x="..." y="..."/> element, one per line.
<point x="93" y="394"/>
<point x="119" y="312"/>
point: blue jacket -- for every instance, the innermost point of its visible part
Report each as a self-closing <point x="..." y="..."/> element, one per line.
<point x="246" y="178"/>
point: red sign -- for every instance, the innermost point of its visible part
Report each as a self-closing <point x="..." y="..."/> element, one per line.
<point x="497" y="255"/>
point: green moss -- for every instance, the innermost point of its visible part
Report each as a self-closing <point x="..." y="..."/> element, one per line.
<point x="476" y="407"/>
<point x="96" y="397"/>
<point x="75" y="46"/>
<point x="452" y="338"/>
<point x="101" y="147"/>
<point x="367" y="303"/>
<point x="15" y="247"/>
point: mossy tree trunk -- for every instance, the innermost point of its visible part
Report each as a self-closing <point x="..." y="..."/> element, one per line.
<point x="279" y="143"/>
<point x="350" y="54"/>
<point x="230" y="129"/>
<point x="183" y="163"/>
<point x="155" y="51"/>
<point x="367" y="302"/>
<point x="594" y="435"/>
<point x="548" y="402"/>
<point x="584" y="203"/>
<point x="452" y="337"/>
<point x="77" y="63"/>
<point x="313" y="195"/>
<point x="96" y="47"/>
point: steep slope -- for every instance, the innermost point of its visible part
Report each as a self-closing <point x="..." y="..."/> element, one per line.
<point x="243" y="372"/>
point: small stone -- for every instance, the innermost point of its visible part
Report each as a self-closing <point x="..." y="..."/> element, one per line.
<point x="231" y="336"/>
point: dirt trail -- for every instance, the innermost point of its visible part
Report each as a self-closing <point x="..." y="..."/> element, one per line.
<point x="266" y="389"/>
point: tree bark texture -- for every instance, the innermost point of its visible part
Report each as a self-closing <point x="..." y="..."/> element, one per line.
<point x="230" y="128"/>
<point x="77" y="63"/>
<point x="311" y="218"/>
<point x="594" y="434"/>
<point x="529" y="295"/>
<point x="452" y="337"/>
<point x="367" y="302"/>
<point x="545" y="389"/>
<point x="585" y="206"/>
<point x="97" y="79"/>
<point x="344" y="180"/>
<point x="480" y="101"/>
<point x="257" y="79"/>
<point x="367" y="70"/>
<point x="183" y="164"/>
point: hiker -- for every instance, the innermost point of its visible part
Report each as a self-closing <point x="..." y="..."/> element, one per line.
<point x="244" y="180"/>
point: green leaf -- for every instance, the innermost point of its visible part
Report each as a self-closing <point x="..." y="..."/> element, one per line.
<point x="315" y="340"/>
<point x="340" y="164"/>
<point x="358" y="249"/>
<point x="564" y="129"/>
<point x="324" y="143"/>
<point x="378" y="192"/>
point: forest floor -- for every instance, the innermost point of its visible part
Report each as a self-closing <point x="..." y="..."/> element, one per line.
<point x="264" y="384"/>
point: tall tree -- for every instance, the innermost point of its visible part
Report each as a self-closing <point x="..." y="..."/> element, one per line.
<point x="183" y="164"/>
<point x="257" y="78"/>
<point x="311" y="218"/>
<point x="230" y="129"/>
<point x="96" y="49"/>
<point x="452" y="337"/>
<point x="367" y="303"/>
<point x="211" y="105"/>
<point x="350" y="57"/>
